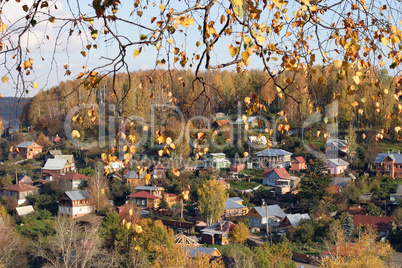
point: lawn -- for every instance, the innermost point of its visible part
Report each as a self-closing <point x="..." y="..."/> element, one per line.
<point x="242" y="185"/>
<point x="310" y="248"/>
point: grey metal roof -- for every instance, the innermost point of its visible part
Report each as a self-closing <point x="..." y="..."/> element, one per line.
<point x="78" y="195"/>
<point x="395" y="156"/>
<point x="26" y="144"/>
<point x="249" y="119"/>
<point x="236" y="199"/>
<point x="273" y="152"/>
<point x="342" y="181"/>
<point x="231" y="204"/>
<point x="295" y="219"/>
<point x="55" y="164"/>
<point x="134" y="175"/>
<point x="22" y="211"/>
<point x="55" y="152"/>
<point x="273" y="210"/>
<point x="147" y="188"/>
<point x="193" y="252"/>
<point x="338" y="162"/>
<point x="337" y="141"/>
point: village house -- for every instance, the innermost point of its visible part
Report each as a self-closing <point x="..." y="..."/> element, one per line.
<point x="135" y="178"/>
<point x="379" y="224"/>
<point x="52" y="154"/>
<point x="255" y="142"/>
<point x="151" y="196"/>
<point x="69" y="157"/>
<point x="293" y="219"/>
<point x="55" y="168"/>
<point x="19" y="191"/>
<point x="24" y="179"/>
<point x="259" y="216"/>
<point x="29" y="149"/>
<point x="273" y="158"/>
<point x="144" y="199"/>
<point x="217" y="233"/>
<point x="216" y="161"/>
<point x="159" y="172"/>
<point x="234" y="208"/>
<point x="75" y="204"/>
<point x="389" y="164"/>
<point x="281" y="180"/>
<point x="336" y="166"/>
<point x="252" y="121"/>
<point x="73" y="180"/>
<point x="211" y="252"/>
<point x="337" y="149"/>
<point x="298" y="164"/>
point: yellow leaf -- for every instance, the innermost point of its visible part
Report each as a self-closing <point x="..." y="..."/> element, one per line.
<point x="238" y="3"/>
<point x="51" y="19"/>
<point x="338" y="63"/>
<point x="246" y="39"/>
<point x="354" y="104"/>
<point x="83" y="53"/>
<point x="363" y="136"/>
<point x="222" y="19"/>
<point x="145" y="128"/>
<point x="3" y="27"/>
<point x="233" y="51"/>
<point x="162" y="7"/>
<point x="103" y="156"/>
<point x="136" y="52"/>
<point x="176" y="50"/>
<point x="75" y="134"/>
<point x="245" y="55"/>
<point x="384" y="40"/>
<point x="261" y="39"/>
<point x="397" y="129"/>
<point x="356" y="78"/>
<point x="4" y="79"/>
<point x="35" y="85"/>
<point x="170" y="41"/>
<point x="245" y="154"/>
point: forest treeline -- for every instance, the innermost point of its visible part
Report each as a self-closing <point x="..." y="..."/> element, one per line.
<point x="372" y="105"/>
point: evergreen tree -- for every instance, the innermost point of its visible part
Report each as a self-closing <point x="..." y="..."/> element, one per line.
<point x="110" y="226"/>
<point x="163" y="204"/>
<point x="347" y="224"/>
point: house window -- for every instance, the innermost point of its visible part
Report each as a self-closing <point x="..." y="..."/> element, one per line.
<point x="143" y="202"/>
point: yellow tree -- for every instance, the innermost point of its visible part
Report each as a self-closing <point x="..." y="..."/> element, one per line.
<point x="239" y="234"/>
<point x="212" y="197"/>
<point x="367" y="252"/>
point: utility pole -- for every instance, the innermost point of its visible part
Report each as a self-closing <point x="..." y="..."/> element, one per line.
<point x="267" y="226"/>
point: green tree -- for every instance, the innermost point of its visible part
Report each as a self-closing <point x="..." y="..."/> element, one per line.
<point x="6" y="181"/>
<point x="163" y="204"/>
<point x="212" y="197"/>
<point x="347" y="225"/>
<point x="373" y="210"/>
<point x="110" y="225"/>
<point x="239" y="233"/>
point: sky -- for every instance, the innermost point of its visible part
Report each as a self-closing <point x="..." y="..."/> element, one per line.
<point x="51" y="47"/>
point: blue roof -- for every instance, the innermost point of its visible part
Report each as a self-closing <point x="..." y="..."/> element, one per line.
<point x="397" y="157"/>
<point x="26" y="144"/>
<point x="134" y="175"/>
<point x="236" y="199"/>
<point x="208" y="251"/>
<point x="273" y="152"/>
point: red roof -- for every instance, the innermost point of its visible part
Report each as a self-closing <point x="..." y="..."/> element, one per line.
<point x="355" y="210"/>
<point x="300" y="159"/>
<point x="74" y="176"/>
<point x="281" y="172"/>
<point x="20" y="188"/>
<point x="222" y="122"/>
<point x="144" y="194"/>
<point x="159" y="166"/>
<point x="170" y="195"/>
<point x="56" y="139"/>
<point x="344" y="249"/>
<point x="223" y="182"/>
<point x="373" y="221"/>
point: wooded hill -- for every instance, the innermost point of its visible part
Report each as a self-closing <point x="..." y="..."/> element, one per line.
<point x="364" y="106"/>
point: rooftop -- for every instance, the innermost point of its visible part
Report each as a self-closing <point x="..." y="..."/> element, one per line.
<point x="148" y="188"/>
<point x="273" y="210"/>
<point x="74" y="176"/>
<point x="281" y="172"/>
<point x="55" y="164"/>
<point x="397" y="157"/>
<point x="337" y="162"/>
<point x="78" y="195"/>
<point x="27" y="144"/>
<point x="144" y="194"/>
<point x="20" y="188"/>
<point x="273" y="152"/>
